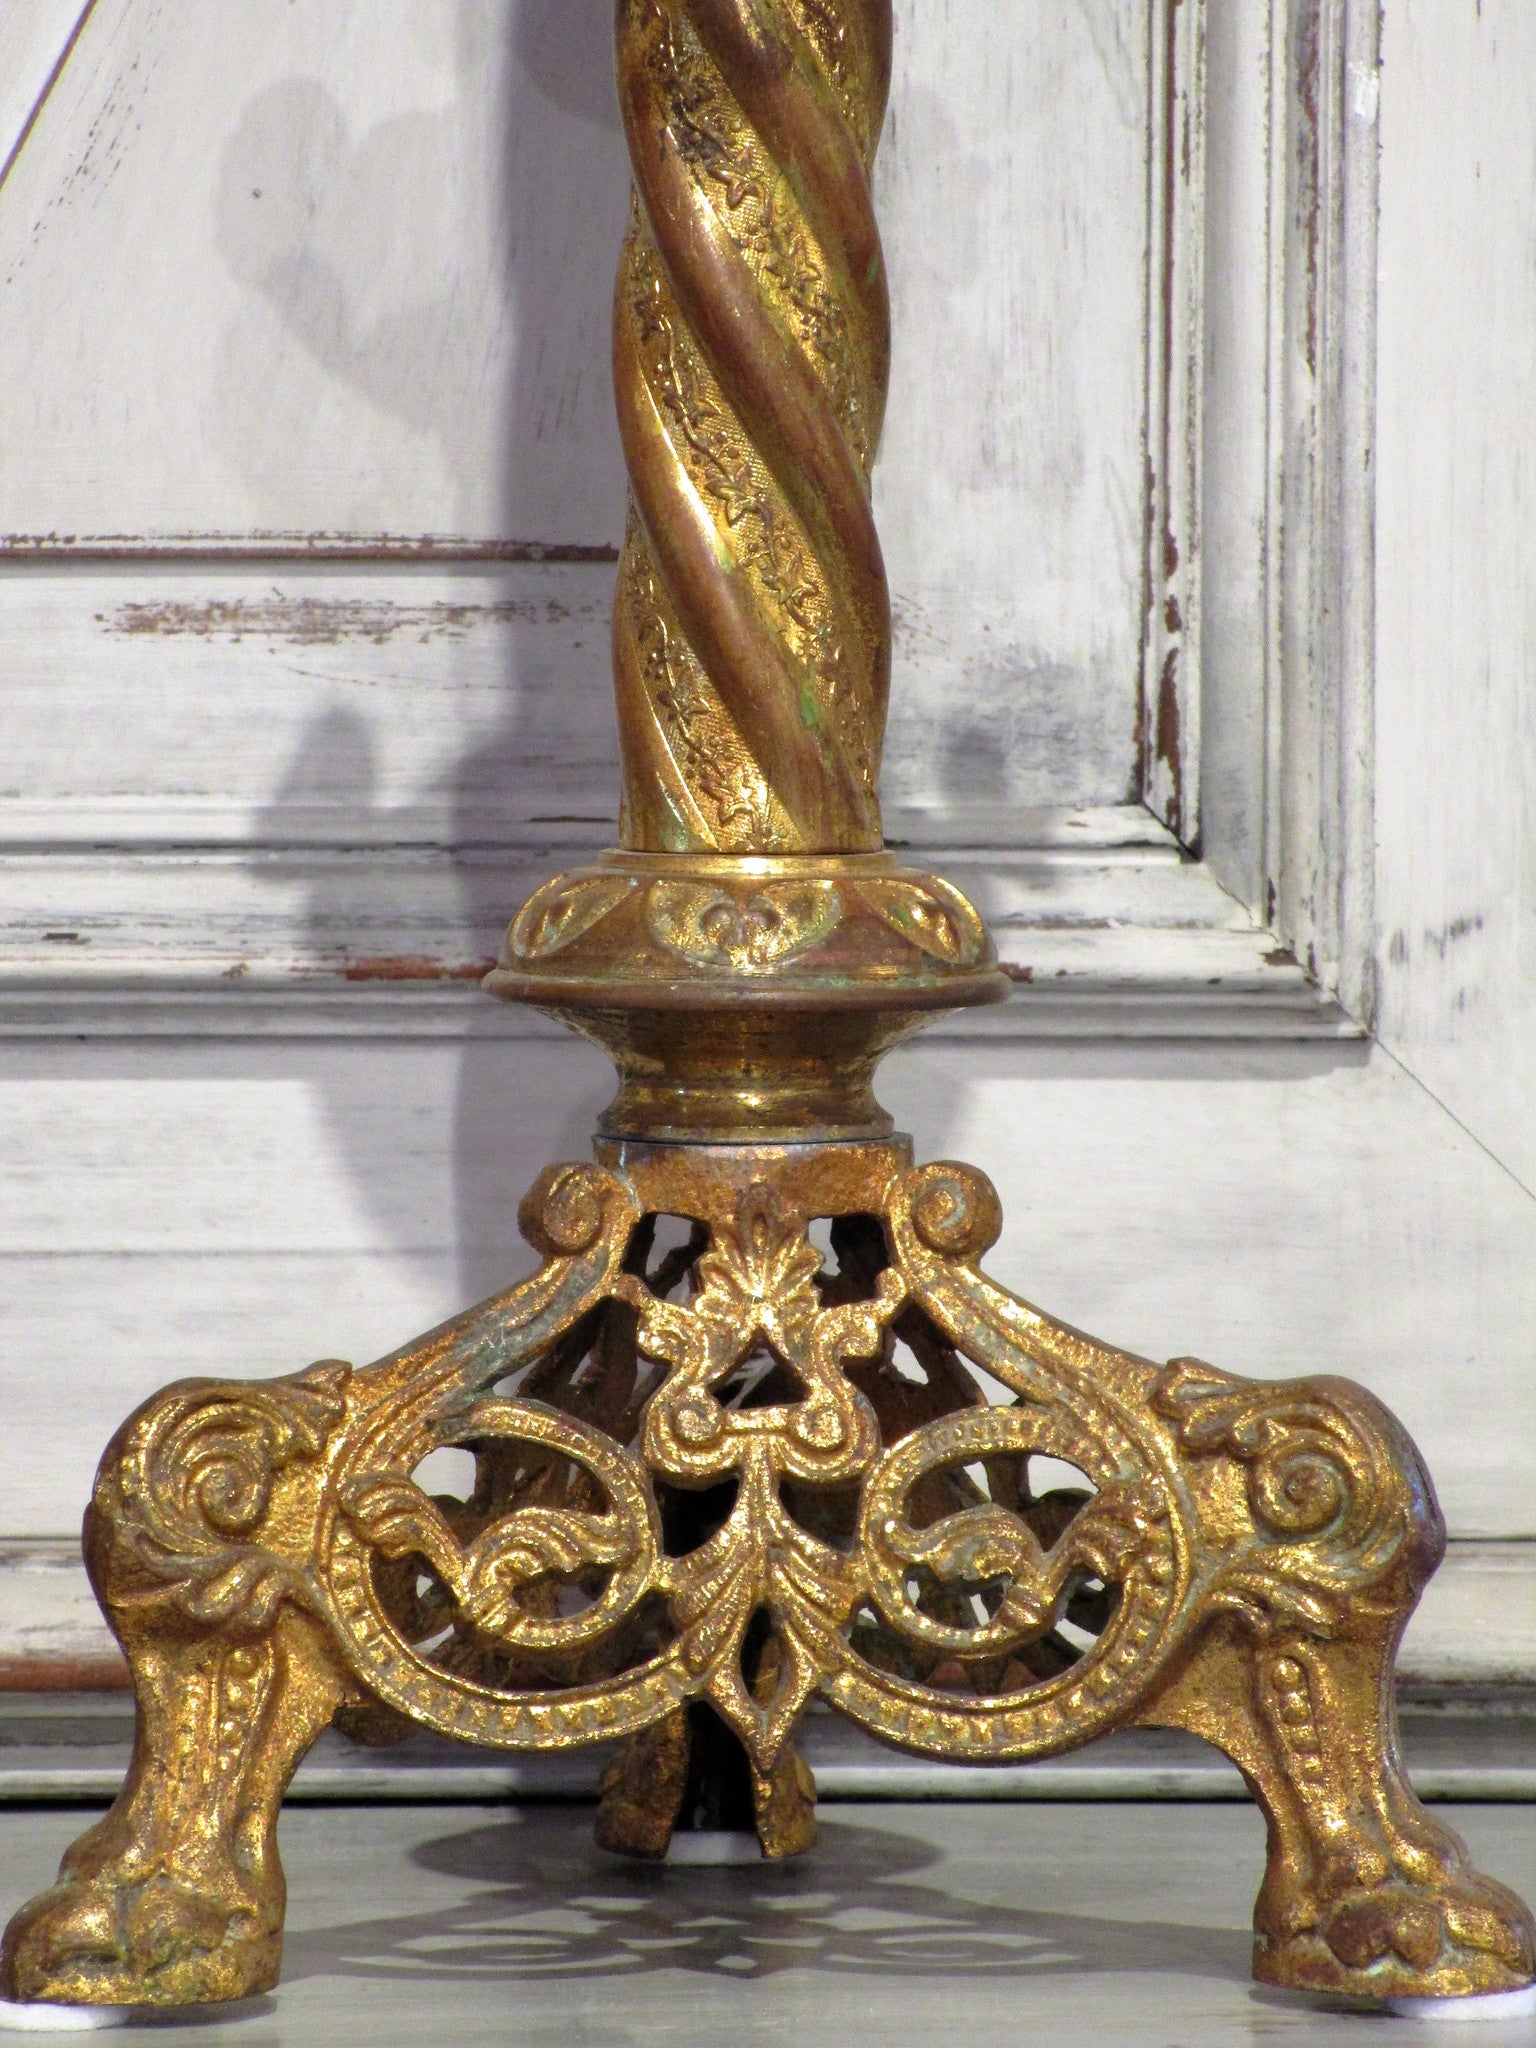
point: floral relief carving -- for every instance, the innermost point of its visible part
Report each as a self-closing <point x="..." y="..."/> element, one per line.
<point x="714" y="927"/>
<point x="557" y="915"/>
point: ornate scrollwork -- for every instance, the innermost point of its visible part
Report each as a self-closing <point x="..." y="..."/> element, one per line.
<point x="761" y="1559"/>
<point x="1324" y="1487"/>
<point x="930" y="915"/>
<point x="950" y="1610"/>
<point x="191" y="1479"/>
<point x="560" y="913"/>
<point x="728" y="1474"/>
<point x="756" y="1288"/>
<point x="485" y="1577"/>
<point x="954" y="1210"/>
<point x="984" y="1543"/>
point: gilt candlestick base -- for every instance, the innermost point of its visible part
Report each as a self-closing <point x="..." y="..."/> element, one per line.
<point x="733" y="1441"/>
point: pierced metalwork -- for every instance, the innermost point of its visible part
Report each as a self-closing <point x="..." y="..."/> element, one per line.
<point x="718" y="1480"/>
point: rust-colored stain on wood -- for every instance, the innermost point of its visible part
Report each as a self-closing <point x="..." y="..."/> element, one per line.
<point x="105" y="1673"/>
<point x="238" y="550"/>
<point x="325" y="622"/>
<point x="415" y="967"/>
<point x="1167" y="739"/>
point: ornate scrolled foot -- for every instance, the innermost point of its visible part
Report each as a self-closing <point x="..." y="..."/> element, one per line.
<point x="1365" y="1892"/>
<point x="177" y="1895"/>
<point x="643" y="1790"/>
<point x="1257" y="1550"/>
<point x="211" y="1540"/>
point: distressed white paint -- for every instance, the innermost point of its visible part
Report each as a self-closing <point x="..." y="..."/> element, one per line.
<point x="432" y="703"/>
<point x="332" y="773"/>
<point x="352" y="283"/>
<point x="275" y="706"/>
<point x="1319" y="553"/>
<point x="1238" y="472"/>
<point x="226" y="926"/>
<point x="47" y="1608"/>
<point x="1171" y="707"/>
<point x="34" y="37"/>
<point x="1012" y="187"/>
<point x="1456" y="647"/>
<point x="339" y="279"/>
<point x="242" y="1208"/>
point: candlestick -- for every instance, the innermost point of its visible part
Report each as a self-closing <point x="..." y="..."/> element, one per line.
<point x="718" y="1480"/>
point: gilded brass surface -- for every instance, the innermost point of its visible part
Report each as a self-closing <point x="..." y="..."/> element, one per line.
<point x="751" y="358"/>
<point x="760" y="1429"/>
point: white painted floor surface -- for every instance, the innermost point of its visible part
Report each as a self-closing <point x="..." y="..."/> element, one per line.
<point x="934" y="1924"/>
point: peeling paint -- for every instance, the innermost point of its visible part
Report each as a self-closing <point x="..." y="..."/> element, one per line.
<point x="413" y="967"/>
<point x="1170" y="458"/>
<point x="1167" y="739"/>
<point x="1459" y="928"/>
<point x="277" y="548"/>
<point x="324" y="622"/>
<point x="1309" y="195"/>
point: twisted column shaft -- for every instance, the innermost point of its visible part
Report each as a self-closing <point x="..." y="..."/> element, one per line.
<point x="751" y="360"/>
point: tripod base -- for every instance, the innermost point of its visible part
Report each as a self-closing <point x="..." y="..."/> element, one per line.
<point x="715" y="1479"/>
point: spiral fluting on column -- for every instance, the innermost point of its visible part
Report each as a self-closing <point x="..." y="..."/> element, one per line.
<point x="751" y="360"/>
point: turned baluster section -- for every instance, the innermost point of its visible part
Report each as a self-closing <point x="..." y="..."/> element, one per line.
<point x="751" y="358"/>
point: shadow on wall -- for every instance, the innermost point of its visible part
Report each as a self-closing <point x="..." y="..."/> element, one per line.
<point x="379" y="252"/>
<point x="371" y="251"/>
<point x="534" y="77"/>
